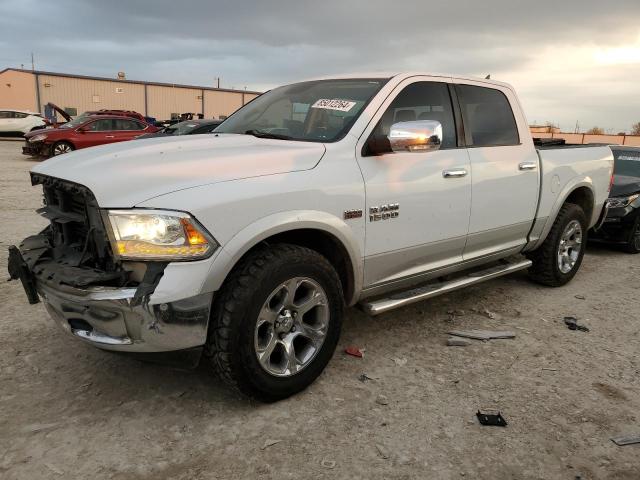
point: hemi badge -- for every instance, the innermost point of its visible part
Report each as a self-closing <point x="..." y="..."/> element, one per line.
<point x="349" y="214"/>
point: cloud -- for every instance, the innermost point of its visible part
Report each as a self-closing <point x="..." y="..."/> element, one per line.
<point x="569" y="60"/>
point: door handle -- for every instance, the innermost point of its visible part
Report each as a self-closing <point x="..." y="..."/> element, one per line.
<point x="528" y="166"/>
<point x="454" y="173"/>
<point x="109" y="136"/>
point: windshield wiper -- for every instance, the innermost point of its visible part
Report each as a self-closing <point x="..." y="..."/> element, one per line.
<point x="263" y="134"/>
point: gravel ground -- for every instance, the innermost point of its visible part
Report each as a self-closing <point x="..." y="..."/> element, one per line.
<point x="70" y="411"/>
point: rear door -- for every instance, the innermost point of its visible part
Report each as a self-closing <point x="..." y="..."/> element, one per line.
<point x="417" y="215"/>
<point x="504" y="169"/>
<point x="127" y="129"/>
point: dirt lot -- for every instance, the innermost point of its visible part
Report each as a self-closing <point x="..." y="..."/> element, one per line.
<point x="70" y="411"/>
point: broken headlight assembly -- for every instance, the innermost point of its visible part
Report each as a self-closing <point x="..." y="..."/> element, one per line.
<point x="38" y="138"/>
<point x="621" y="202"/>
<point x="160" y="235"/>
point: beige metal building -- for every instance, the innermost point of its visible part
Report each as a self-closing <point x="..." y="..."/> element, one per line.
<point x="32" y="90"/>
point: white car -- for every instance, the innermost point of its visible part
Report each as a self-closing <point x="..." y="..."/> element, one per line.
<point x="245" y="245"/>
<point x="20" y="121"/>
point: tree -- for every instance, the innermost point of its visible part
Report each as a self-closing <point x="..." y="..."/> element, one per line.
<point x="635" y="129"/>
<point x="595" y="131"/>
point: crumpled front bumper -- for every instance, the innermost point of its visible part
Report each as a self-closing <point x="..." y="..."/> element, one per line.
<point x="36" y="149"/>
<point x="108" y="318"/>
<point x="174" y="316"/>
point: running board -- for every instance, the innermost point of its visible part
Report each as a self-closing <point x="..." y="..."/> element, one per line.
<point x="401" y="299"/>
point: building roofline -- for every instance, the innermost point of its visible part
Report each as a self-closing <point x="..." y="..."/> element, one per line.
<point x="135" y="82"/>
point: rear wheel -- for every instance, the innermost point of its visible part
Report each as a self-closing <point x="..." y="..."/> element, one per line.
<point x="633" y="245"/>
<point x="60" y="148"/>
<point x="276" y="322"/>
<point x="559" y="258"/>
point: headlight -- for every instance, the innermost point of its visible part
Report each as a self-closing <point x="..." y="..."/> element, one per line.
<point x="621" y="202"/>
<point x="37" y="138"/>
<point x="158" y="235"/>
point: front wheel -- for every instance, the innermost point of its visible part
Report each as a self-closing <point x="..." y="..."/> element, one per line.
<point x="559" y="258"/>
<point x="61" y="148"/>
<point x="276" y="322"/>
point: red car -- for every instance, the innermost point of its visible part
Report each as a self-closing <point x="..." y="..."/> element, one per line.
<point x="83" y="132"/>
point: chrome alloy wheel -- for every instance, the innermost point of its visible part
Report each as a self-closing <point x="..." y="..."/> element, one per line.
<point x="61" y="148"/>
<point x="291" y="327"/>
<point x="570" y="246"/>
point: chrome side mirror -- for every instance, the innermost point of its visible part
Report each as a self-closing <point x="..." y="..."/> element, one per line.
<point x="416" y="136"/>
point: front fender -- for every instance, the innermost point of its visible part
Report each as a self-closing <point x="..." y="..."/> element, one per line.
<point x="283" y="222"/>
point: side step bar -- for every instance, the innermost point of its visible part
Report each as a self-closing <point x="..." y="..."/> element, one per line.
<point x="401" y="299"/>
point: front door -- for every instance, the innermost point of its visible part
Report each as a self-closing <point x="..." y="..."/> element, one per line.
<point x="417" y="217"/>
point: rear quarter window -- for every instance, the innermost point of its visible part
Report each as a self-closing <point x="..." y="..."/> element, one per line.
<point x="488" y="117"/>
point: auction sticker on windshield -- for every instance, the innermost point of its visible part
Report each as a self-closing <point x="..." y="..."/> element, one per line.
<point x="335" y="104"/>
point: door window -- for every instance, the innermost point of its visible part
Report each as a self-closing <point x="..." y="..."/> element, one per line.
<point x="488" y="118"/>
<point x="125" y="124"/>
<point x="104" y="125"/>
<point x="421" y="101"/>
<point x="6" y="114"/>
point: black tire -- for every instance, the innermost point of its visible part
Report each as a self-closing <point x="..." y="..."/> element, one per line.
<point x="545" y="269"/>
<point x="58" y="146"/>
<point x="230" y="343"/>
<point x="633" y="245"/>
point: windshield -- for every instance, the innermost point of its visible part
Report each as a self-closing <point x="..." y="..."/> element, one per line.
<point x="182" y="128"/>
<point x="627" y="163"/>
<point x="317" y="111"/>
<point x="76" y="122"/>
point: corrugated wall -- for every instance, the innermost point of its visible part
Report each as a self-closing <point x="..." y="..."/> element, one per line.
<point x="163" y="101"/>
<point x="218" y="104"/>
<point x="84" y="94"/>
<point x="18" y="91"/>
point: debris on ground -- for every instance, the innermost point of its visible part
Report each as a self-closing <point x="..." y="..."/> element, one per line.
<point x="482" y="334"/>
<point x="626" y="440"/>
<point x="491" y="418"/>
<point x="580" y="297"/>
<point x="457" y="342"/>
<point x="401" y="362"/>
<point x="382" y="400"/>
<point x="363" y="377"/>
<point x="270" y="442"/>
<point x="491" y="315"/>
<point x="572" y="324"/>
<point x="327" y="463"/>
<point x="354" y="351"/>
<point x="456" y="313"/>
<point x="382" y="451"/>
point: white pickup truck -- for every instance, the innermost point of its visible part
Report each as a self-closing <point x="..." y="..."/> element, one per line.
<point x="246" y="244"/>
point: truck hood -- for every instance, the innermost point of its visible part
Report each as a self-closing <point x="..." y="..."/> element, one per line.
<point x="624" y="185"/>
<point x="128" y="173"/>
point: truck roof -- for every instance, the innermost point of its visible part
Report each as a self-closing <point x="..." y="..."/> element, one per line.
<point x="403" y="75"/>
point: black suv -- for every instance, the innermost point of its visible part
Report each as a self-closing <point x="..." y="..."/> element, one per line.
<point x="622" y="225"/>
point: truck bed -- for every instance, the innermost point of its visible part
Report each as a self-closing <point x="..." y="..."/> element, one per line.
<point x="556" y="143"/>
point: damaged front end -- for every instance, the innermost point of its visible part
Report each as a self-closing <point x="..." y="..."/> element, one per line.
<point x="91" y="293"/>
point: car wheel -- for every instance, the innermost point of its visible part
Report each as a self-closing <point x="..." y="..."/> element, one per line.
<point x="276" y="322"/>
<point x="633" y="245"/>
<point x="559" y="258"/>
<point x="60" y="148"/>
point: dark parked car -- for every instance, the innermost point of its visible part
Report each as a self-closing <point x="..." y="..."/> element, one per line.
<point x="189" y="127"/>
<point x="82" y="132"/>
<point x="622" y="224"/>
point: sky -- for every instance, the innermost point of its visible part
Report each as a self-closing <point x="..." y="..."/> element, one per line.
<point x="570" y="61"/>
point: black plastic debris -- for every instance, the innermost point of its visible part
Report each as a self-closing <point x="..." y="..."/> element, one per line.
<point x="491" y="418"/>
<point x="626" y="440"/>
<point x="572" y="324"/>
